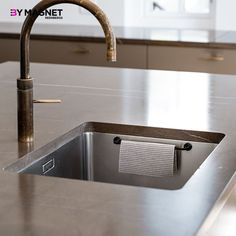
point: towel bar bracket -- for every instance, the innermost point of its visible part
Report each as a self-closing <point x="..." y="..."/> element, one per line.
<point x="186" y="147"/>
<point x="117" y="140"/>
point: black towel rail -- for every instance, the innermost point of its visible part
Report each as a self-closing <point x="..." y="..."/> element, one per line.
<point x="186" y="146"/>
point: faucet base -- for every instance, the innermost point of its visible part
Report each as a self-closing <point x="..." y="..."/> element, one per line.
<point x="25" y="110"/>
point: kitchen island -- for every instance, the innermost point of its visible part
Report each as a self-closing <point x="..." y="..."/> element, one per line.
<point x="39" y="205"/>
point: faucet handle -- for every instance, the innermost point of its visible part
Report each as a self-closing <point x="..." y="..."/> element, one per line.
<point x="47" y="101"/>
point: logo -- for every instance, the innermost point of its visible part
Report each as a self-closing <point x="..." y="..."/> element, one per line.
<point x="47" y="14"/>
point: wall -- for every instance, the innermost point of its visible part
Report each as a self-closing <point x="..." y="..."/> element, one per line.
<point x="135" y="16"/>
<point x="71" y="13"/>
<point x="225" y="15"/>
<point x="126" y="13"/>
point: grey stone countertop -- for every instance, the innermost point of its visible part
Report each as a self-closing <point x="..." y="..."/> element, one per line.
<point x="39" y="205"/>
<point x="126" y="35"/>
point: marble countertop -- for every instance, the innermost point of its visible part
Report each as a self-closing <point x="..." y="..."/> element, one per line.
<point x="132" y="35"/>
<point x="39" y="205"/>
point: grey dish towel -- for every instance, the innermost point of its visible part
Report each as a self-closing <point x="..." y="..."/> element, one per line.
<point x="147" y="159"/>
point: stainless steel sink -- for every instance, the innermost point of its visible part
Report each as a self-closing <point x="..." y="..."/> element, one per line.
<point x="88" y="152"/>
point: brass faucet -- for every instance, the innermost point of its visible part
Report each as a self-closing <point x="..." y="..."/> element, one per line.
<point x="25" y="82"/>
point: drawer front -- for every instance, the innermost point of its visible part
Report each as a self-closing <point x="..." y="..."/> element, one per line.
<point x="9" y="50"/>
<point x="94" y="54"/>
<point x="192" y="59"/>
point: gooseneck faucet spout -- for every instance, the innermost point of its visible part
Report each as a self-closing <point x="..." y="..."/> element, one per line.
<point x="25" y="82"/>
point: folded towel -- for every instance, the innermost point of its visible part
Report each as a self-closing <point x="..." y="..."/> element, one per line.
<point x="147" y="159"/>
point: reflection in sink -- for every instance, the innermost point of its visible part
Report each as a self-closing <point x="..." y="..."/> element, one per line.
<point x="88" y="153"/>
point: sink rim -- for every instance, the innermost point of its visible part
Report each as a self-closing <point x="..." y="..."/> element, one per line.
<point x="123" y="129"/>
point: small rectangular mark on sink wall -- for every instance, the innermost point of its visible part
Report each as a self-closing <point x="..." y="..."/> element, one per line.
<point x="48" y="166"/>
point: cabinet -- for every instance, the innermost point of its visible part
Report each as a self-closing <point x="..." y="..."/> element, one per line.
<point x="142" y="56"/>
<point x="179" y="58"/>
<point x="9" y="50"/>
<point x="75" y="53"/>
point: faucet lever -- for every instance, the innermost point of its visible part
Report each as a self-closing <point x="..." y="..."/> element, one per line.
<point x="46" y="101"/>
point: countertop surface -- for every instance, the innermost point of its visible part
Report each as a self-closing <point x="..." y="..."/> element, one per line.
<point x="127" y="35"/>
<point x="39" y="205"/>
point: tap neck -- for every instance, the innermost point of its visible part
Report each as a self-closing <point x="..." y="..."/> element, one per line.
<point x="42" y="6"/>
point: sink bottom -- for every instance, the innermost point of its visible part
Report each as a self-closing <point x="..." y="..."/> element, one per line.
<point x="89" y="153"/>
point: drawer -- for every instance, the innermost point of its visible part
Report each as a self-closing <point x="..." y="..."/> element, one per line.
<point x="192" y="59"/>
<point x="9" y="49"/>
<point x="80" y="53"/>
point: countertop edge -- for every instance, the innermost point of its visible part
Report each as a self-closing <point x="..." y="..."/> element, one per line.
<point x="151" y="42"/>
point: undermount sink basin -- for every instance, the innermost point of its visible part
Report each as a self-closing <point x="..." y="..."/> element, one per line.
<point x="88" y="152"/>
